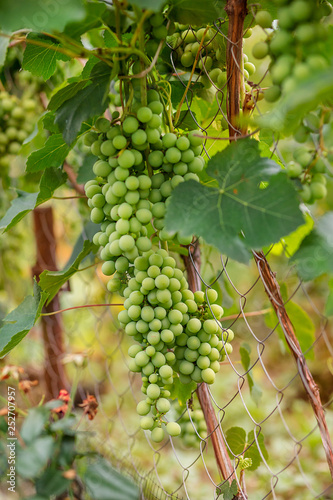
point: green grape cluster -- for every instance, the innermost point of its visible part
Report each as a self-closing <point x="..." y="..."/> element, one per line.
<point x="192" y="423"/>
<point x="295" y="46"/>
<point x="186" y="42"/>
<point x="17" y="117"/>
<point x="310" y="163"/>
<point x="176" y="332"/>
<point x="156" y="29"/>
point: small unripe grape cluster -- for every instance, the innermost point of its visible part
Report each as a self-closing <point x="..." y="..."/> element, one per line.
<point x="176" y="332"/>
<point x="17" y="117"/>
<point x="295" y="46"/>
<point x="211" y="63"/>
<point x="192" y="423"/>
<point x="310" y="164"/>
<point x="156" y="29"/>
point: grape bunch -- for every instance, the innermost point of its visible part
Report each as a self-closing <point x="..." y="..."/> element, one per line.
<point x="178" y="333"/>
<point x="192" y="423"/>
<point x="211" y="63"/>
<point x="175" y="331"/>
<point x="17" y="118"/>
<point x="310" y="164"/>
<point x="295" y="46"/>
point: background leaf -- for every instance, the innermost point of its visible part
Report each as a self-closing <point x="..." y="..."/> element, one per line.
<point x="105" y="483"/>
<point x="53" y="154"/>
<point x="236" y="439"/>
<point x="253" y="451"/>
<point x="19" y="322"/>
<point x="4" y="42"/>
<point x="86" y="103"/>
<point x="315" y="255"/>
<point x="154" y="5"/>
<point x="51" y="281"/>
<point x="255" y="391"/>
<point x="196" y="12"/>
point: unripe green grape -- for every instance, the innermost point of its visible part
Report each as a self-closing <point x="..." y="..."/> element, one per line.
<point x="126" y="159"/>
<point x="126" y="243"/>
<point x="194" y="326"/>
<point x="152" y="135"/>
<point x="167" y="336"/>
<point x="113" y="285"/>
<point x="102" y="124"/>
<point x="163" y="296"/>
<point x="260" y="50"/>
<point x="157" y="434"/>
<point x="163" y="405"/>
<point x="272" y="94"/>
<point x="133" y="349"/>
<point x="101" y="168"/>
<point x="125" y="211"/>
<point x="96" y="215"/>
<point x="147" y="423"/>
<point x="132" y="197"/>
<point x="108" y="267"/>
<point x="318" y="190"/>
<point x="173" y="429"/>
<point x="160" y="32"/>
<point x="143" y="408"/>
<point x="166" y="188"/>
<point x="136" y="297"/>
<point x="132" y="183"/>
<point x="130" y="125"/>
<point x="144" y="215"/>
<point x="119" y="142"/>
<point x="139" y="137"/>
<point x="193" y="342"/>
<point x="264" y="19"/>
<point x="186" y="367"/>
<point x="107" y="148"/>
<point x="144" y="114"/>
<point x="156" y="107"/>
<point x="208" y="375"/>
<point x="153" y="391"/>
<point x="294" y="169"/>
<point x="148" y="369"/>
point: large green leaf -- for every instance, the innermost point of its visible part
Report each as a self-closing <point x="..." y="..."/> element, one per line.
<point x="52" y="154"/>
<point x="41" y="55"/>
<point x="66" y="93"/>
<point x="315" y="255"/>
<point x="52" y="483"/>
<point x="86" y="103"/>
<point x="25" y="202"/>
<point x="19" y="322"/>
<point x="51" y="15"/>
<point x="196" y="12"/>
<point x="105" y="483"/>
<point x="51" y="281"/>
<point x="34" y="424"/>
<point x="181" y="391"/>
<point x="234" y="212"/>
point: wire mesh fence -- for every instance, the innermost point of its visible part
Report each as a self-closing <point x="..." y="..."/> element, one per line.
<point x="259" y="387"/>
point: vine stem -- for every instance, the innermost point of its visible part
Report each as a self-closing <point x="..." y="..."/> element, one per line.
<point x="236" y="10"/>
<point x="79" y="307"/>
<point x="191" y="76"/>
<point x="273" y="292"/>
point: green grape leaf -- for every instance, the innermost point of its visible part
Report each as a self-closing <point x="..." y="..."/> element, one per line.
<point x="154" y="5"/>
<point x="180" y="391"/>
<point x="228" y="491"/>
<point x="34" y="424"/>
<point x="178" y="89"/>
<point x="52" y="154"/>
<point x="196" y="12"/>
<point x="253" y="451"/>
<point x="187" y="120"/>
<point x="103" y="482"/>
<point x="93" y="19"/>
<point x="33" y="458"/>
<point x="20" y="206"/>
<point x="255" y="391"/>
<point x="302" y="323"/>
<point x="51" y="281"/>
<point x="25" y="202"/>
<point x="34" y="15"/>
<point x="18" y="323"/>
<point x="233" y="212"/>
<point x="88" y="102"/>
<point x="236" y="439"/>
<point x="41" y="55"/>
<point x="4" y="42"/>
<point x="48" y="122"/>
<point x="66" y="93"/>
<point x="85" y="172"/>
<point x="315" y="254"/>
<point x="52" y="483"/>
